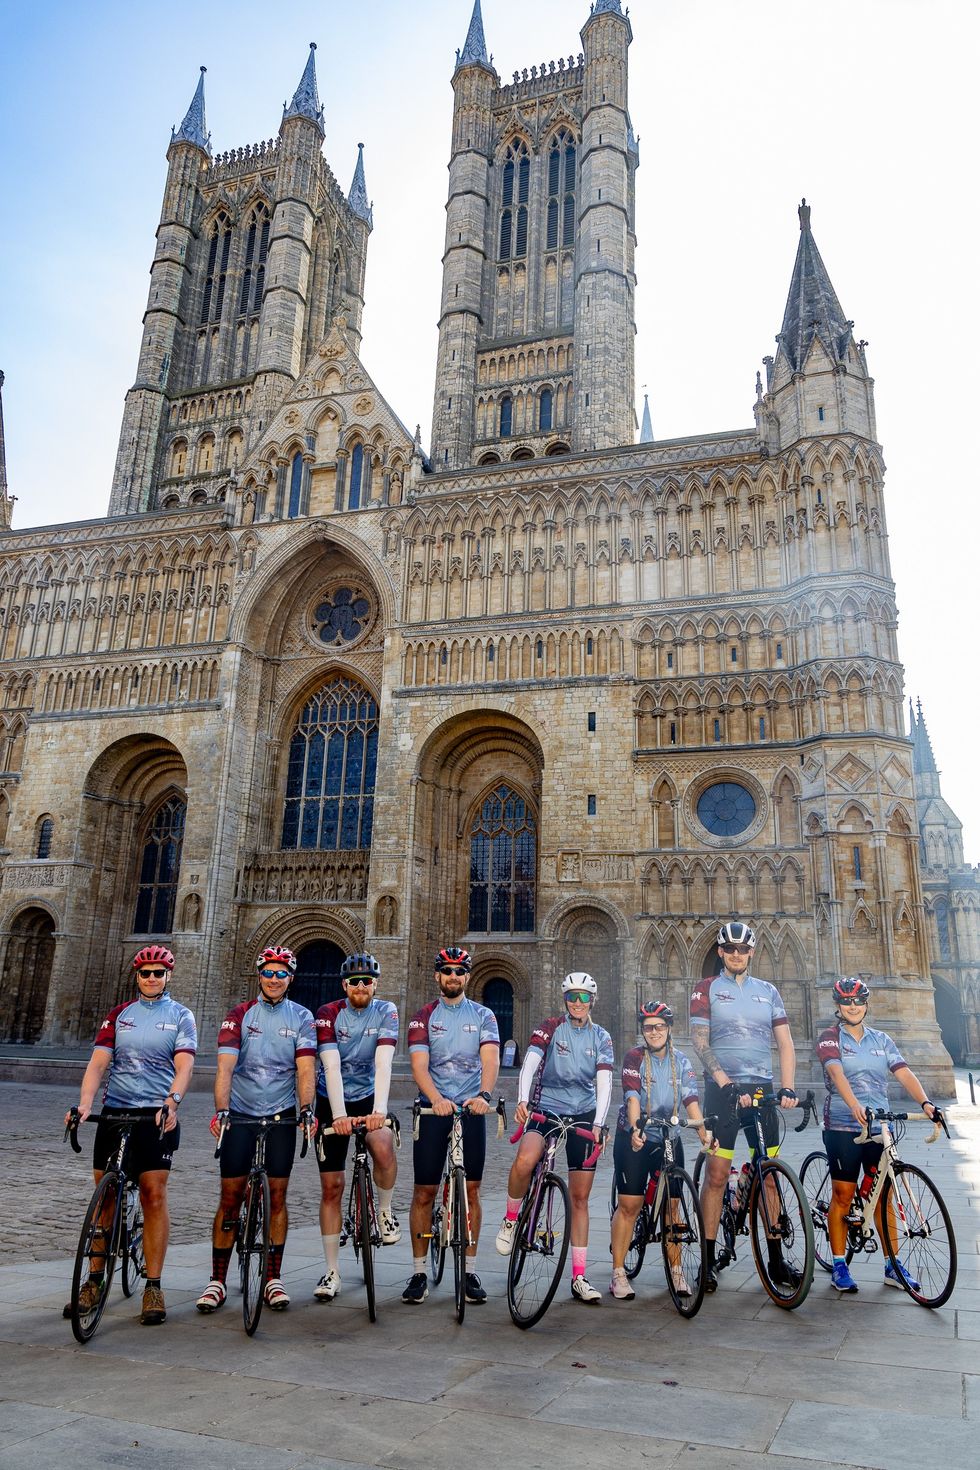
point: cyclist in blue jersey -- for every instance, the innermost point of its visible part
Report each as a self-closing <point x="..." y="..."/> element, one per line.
<point x="356" y="1040"/>
<point x="857" y="1063"/>
<point x="454" y="1046"/>
<point x="735" y="1018"/>
<point x="266" y="1062"/>
<point x="567" y="1073"/>
<point x="147" y="1046"/>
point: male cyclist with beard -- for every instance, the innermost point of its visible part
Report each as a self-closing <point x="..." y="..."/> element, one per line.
<point x="572" y="1059"/>
<point x="734" y="1019"/>
<point x="356" y="1039"/>
<point x="266" y="1061"/>
<point x="454" y="1046"/>
<point x="657" y="1079"/>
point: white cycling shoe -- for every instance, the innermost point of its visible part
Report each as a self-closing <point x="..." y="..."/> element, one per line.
<point x="584" y="1291"/>
<point x="505" y="1237"/>
<point x="327" y="1287"/>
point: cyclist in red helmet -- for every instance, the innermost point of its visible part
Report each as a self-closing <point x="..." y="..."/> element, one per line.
<point x="147" y="1047"/>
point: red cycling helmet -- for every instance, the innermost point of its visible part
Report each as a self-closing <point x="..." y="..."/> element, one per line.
<point x="851" y="988"/>
<point x="656" y="1010"/>
<point x="276" y="954"/>
<point x="453" y="955"/>
<point x="153" y="954"/>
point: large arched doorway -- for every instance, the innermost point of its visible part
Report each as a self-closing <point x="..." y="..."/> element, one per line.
<point x="317" y="979"/>
<point x="27" y="975"/>
<point x="587" y="941"/>
<point x="498" y="996"/>
<point x="949" y="1014"/>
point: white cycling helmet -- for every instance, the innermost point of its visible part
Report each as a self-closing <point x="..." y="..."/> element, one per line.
<point x="579" y="980"/>
<point x="736" y="933"/>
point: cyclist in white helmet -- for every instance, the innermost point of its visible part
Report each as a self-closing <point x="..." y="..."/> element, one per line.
<point x="567" y="1072"/>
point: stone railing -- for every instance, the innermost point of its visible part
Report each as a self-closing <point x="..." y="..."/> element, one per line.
<point x="304" y="876"/>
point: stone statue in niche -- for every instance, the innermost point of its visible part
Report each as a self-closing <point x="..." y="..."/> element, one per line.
<point x="190" y="913"/>
<point x="386" y="915"/>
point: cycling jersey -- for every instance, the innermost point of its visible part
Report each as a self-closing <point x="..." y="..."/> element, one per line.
<point x="867" y="1065"/>
<point x="572" y="1058"/>
<point x="742" y="1017"/>
<point x="452" y="1036"/>
<point x="267" y="1040"/>
<point x="656" y="1100"/>
<point x="144" y="1036"/>
<point x="356" y="1034"/>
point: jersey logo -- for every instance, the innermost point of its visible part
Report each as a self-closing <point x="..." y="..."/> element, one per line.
<point x="286" y="1031"/>
<point x="126" y="1025"/>
<point x="724" y="995"/>
<point x="698" y="995"/>
<point x="760" y="1000"/>
<point x="827" y="1046"/>
<point x="437" y="1028"/>
<point x="468" y="1027"/>
<point x="229" y="1026"/>
<point x="562" y="1049"/>
<point x="255" y="1030"/>
<point x="166" y="1026"/>
<point x="371" y="1031"/>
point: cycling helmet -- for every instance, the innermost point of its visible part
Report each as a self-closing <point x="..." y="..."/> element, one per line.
<point x="851" y="988"/>
<point x="453" y="955"/>
<point x="736" y="933"/>
<point x="360" y="964"/>
<point x="656" y="1010"/>
<point x="579" y="980"/>
<point x="276" y="954"/>
<point x="153" y="954"/>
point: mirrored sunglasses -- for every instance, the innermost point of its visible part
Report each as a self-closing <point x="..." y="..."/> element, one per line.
<point x="360" y="979"/>
<point x="581" y="996"/>
<point x="452" y="970"/>
<point x="274" y="974"/>
<point x="736" y="949"/>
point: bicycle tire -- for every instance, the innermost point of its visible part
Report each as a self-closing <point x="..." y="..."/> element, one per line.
<point x="437" y="1243"/>
<point x="542" y="1234"/>
<point x="459" y="1240"/>
<point x="107" y="1196"/>
<point x="682" y="1228"/>
<point x="819" y="1190"/>
<point x="255" y="1249"/>
<point x="725" y="1234"/>
<point x="925" y="1228"/>
<point x="133" y="1259"/>
<point x="795" y="1234"/>
<point x="637" y="1247"/>
<point x="364" y="1234"/>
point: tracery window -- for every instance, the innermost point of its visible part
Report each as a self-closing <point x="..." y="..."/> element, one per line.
<point x="356" y="477"/>
<point x="217" y="272"/>
<point x="333" y="758"/>
<point x="160" y="869"/>
<point x="515" y="194"/>
<point x="295" y="486"/>
<point x="561" y="191"/>
<point x="253" y="273"/>
<point x="503" y="864"/>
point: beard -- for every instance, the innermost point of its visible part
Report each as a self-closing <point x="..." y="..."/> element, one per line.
<point x="451" y="986"/>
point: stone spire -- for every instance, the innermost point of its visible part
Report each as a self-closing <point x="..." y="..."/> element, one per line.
<point x="194" y="128"/>
<point x="357" y="198"/>
<point x="6" y="500"/>
<point x="646" y="428"/>
<point x="601" y="7"/>
<point x="812" y="307"/>
<point x="924" y="762"/>
<point x="474" y="52"/>
<point x="306" y="100"/>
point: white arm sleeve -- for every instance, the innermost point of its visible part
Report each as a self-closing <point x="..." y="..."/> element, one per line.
<point x="603" y="1096"/>
<point x="383" y="1058"/>
<point x="532" y="1061"/>
<point x="335" y="1085"/>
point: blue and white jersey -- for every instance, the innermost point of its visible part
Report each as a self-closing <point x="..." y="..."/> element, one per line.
<point x="867" y="1064"/>
<point x="742" y="1016"/>
<point x="144" y="1037"/>
<point x="356" y="1034"/>
<point x="657" y="1100"/>
<point x="453" y="1035"/>
<point x="573" y="1056"/>
<point x="266" y="1040"/>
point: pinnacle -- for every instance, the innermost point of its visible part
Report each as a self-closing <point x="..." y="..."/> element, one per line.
<point x="474" y="52"/>
<point x="194" y="128"/>
<point x="812" y="307"/>
<point x="358" y="197"/>
<point x="306" y="100"/>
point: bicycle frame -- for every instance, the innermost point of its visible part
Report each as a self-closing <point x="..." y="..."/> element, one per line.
<point x="553" y="1141"/>
<point x="759" y="1154"/>
<point x="860" y="1224"/>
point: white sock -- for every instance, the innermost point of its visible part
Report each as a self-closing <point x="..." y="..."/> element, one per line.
<point x="418" y="1265"/>
<point x="331" y="1252"/>
<point x="384" y="1199"/>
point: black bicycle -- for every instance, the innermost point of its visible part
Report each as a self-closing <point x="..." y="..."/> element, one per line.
<point x="769" y="1205"/>
<point x="112" y="1229"/>
<point x="361" y="1225"/>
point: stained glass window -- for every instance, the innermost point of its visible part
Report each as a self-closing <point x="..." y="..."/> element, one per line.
<point x="726" y="809"/>
<point x="160" y="869"/>
<point x="503" y="864"/>
<point x="333" y="759"/>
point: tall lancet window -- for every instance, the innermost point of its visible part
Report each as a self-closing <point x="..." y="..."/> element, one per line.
<point x="514" y="201"/>
<point x="560" y="228"/>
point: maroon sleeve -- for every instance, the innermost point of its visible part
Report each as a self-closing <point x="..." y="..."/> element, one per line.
<point x="230" y="1030"/>
<point x="106" y="1035"/>
<point x="632" y="1078"/>
<point x="326" y="1016"/>
<point x="828" y="1045"/>
<point x="541" y="1036"/>
<point x="418" y="1026"/>
<point x="701" y="1002"/>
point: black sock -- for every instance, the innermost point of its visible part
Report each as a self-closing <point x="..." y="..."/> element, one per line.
<point x="153" y="1281"/>
<point x="709" y="1250"/>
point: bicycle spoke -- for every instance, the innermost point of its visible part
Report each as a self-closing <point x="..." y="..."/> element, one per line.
<point x="819" y="1191"/>
<point x="537" y="1258"/>
<point x="95" y="1258"/>
<point x="919" y="1237"/>
<point x="782" y="1234"/>
<point x="255" y="1250"/>
<point x="682" y="1243"/>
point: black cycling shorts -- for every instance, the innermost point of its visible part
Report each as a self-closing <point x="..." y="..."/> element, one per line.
<point x="238" y="1147"/>
<point x="577" y="1149"/>
<point x="727" y="1125"/>
<point x="146" y="1152"/>
<point x="432" y="1145"/>
<point x="635" y="1167"/>
<point x="847" y="1157"/>
<point x="335" y="1148"/>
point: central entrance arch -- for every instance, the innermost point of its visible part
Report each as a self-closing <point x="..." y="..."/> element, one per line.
<point x="498" y="996"/>
<point x="317" y="978"/>
<point x="27" y="975"/>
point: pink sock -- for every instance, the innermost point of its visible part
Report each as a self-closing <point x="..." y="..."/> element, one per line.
<point x="513" y="1208"/>
<point x="579" y="1253"/>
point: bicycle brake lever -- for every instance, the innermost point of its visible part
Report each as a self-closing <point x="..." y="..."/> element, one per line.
<point x="71" y="1131"/>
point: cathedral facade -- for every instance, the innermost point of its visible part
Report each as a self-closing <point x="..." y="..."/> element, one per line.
<point x="558" y="695"/>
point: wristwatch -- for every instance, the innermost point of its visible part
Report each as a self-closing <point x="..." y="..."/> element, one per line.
<point x="487" y="1097"/>
<point x="176" y="1097"/>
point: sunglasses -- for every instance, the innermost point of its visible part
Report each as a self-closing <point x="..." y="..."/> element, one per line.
<point x="580" y="997"/>
<point x="153" y="974"/>
<point x="655" y="1026"/>
<point x="852" y="1002"/>
<point x="360" y="979"/>
<point x="453" y="970"/>
<point x="736" y="949"/>
<point x="274" y="974"/>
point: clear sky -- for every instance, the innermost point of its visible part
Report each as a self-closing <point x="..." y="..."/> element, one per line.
<point x="866" y="107"/>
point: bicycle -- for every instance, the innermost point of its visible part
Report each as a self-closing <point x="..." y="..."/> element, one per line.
<point x="773" y="1209"/>
<point x="670" y="1216"/>
<point x="254" y="1216"/>
<point x="910" y="1204"/>
<point x="542" y="1234"/>
<point x="112" y="1228"/>
<point x="450" y="1229"/>
<point x="360" y="1222"/>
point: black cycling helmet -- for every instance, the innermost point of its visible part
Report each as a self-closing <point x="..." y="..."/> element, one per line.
<point x="360" y="964"/>
<point x="656" y="1010"/>
<point x="851" y="988"/>
<point x="453" y="955"/>
<point x="736" y="933"/>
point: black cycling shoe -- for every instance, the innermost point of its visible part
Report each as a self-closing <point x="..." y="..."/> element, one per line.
<point x="782" y="1274"/>
<point x="474" y="1289"/>
<point x="710" y="1278"/>
<point x="417" y="1289"/>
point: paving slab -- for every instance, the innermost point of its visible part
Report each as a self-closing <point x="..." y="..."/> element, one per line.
<point x="530" y="1444"/>
<point x="879" y="1439"/>
<point x="742" y="1421"/>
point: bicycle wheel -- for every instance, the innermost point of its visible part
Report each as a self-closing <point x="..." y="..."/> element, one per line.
<point x="637" y="1247"/>
<point x="682" y="1243"/>
<point x="98" y="1245"/>
<point x="819" y="1190"/>
<point x="365" y="1236"/>
<point x="924" y="1252"/>
<point x="255" y="1249"/>
<point x="537" y="1257"/>
<point x="785" y="1271"/>
<point x="458" y="1240"/>
<point x="133" y="1260"/>
<point x="437" y="1243"/>
<point x="725" y="1234"/>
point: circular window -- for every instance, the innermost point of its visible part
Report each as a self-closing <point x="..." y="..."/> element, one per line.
<point x="726" y="809"/>
<point x="341" y="616"/>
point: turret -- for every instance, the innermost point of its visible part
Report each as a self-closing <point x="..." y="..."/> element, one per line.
<point x="6" y="499"/>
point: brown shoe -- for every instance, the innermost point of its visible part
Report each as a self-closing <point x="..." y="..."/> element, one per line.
<point x="154" y="1309"/>
<point x="88" y="1298"/>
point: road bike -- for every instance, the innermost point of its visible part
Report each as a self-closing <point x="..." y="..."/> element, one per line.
<point x="112" y="1229"/>
<point x="768" y="1204"/>
<point x="361" y="1222"/>
<point x="670" y="1216"/>
<point x="254" y="1216"/>
<point x="916" y="1227"/>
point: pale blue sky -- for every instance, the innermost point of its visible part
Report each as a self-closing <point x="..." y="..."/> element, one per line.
<point x="864" y="106"/>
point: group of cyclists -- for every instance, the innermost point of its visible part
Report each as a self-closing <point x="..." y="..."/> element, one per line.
<point x="333" y="1071"/>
